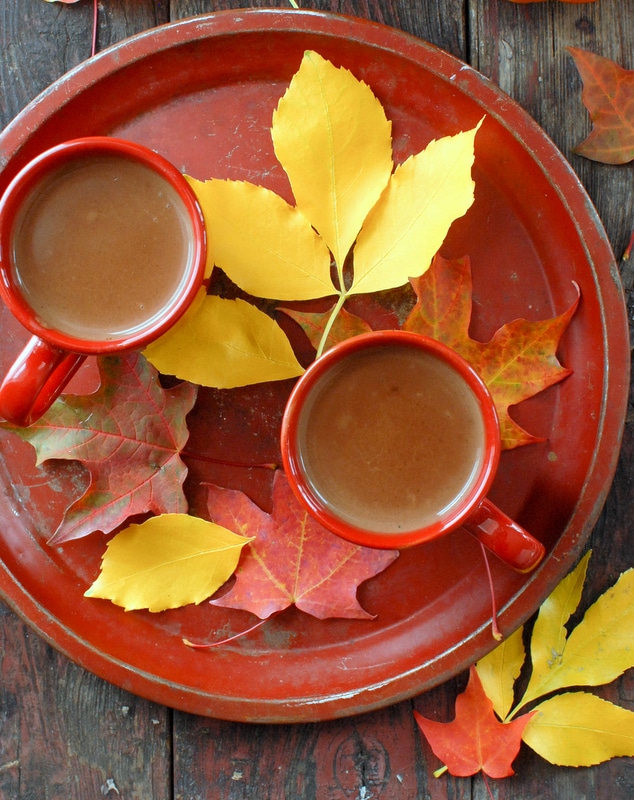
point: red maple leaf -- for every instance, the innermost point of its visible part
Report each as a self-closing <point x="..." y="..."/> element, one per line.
<point x="608" y="94"/>
<point x="475" y="740"/>
<point x="293" y="560"/>
<point x="129" y="434"/>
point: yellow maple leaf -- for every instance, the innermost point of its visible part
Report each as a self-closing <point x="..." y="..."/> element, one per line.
<point x="224" y="343"/>
<point x="168" y="561"/>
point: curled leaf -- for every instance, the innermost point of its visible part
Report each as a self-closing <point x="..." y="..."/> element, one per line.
<point x="223" y="344"/>
<point x="167" y="562"/>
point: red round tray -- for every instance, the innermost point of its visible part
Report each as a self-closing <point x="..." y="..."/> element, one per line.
<point x="202" y="93"/>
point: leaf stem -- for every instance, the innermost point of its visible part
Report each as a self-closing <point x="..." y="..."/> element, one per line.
<point x="343" y="295"/>
<point x="209" y="645"/>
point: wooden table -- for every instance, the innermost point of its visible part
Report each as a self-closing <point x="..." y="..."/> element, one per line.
<point x="65" y="733"/>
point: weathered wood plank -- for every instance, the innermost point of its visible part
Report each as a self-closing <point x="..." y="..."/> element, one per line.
<point x="64" y="733"/>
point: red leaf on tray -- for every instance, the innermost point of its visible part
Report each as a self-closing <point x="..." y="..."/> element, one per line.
<point x="293" y="560"/>
<point x="517" y="363"/>
<point x="475" y="740"/>
<point x="608" y="94"/>
<point x="129" y="434"/>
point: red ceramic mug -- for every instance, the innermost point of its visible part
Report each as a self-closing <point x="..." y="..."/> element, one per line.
<point x="102" y="249"/>
<point x="390" y="439"/>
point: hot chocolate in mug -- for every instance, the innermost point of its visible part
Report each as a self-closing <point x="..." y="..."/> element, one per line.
<point x="390" y="439"/>
<point x="102" y="249"/>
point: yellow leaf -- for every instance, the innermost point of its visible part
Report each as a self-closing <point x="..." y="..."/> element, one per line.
<point x="598" y="650"/>
<point x="579" y="729"/>
<point x="407" y="226"/>
<point x="167" y="562"/>
<point x="331" y="136"/>
<point x="549" y="636"/>
<point x="499" y="670"/>
<point x="223" y="344"/>
<point x="265" y="246"/>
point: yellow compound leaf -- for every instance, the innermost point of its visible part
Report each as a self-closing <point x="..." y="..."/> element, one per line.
<point x="405" y="229"/>
<point x="167" y="562"/>
<point x="223" y="344"/>
<point x="597" y="651"/>
<point x="499" y="670"/>
<point x="263" y="244"/>
<point x="579" y="729"/>
<point x="333" y="139"/>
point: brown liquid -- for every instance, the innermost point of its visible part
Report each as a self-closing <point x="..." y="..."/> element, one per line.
<point x="392" y="439"/>
<point x="101" y="248"/>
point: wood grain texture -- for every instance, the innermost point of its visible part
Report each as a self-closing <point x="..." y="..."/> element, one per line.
<point x="67" y="735"/>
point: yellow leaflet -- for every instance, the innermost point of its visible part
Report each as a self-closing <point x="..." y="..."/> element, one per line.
<point x="223" y="344"/>
<point x="549" y="636"/>
<point x="265" y="246"/>
<point x="167" y="562"/>
<point x="579" y="729"/>
<point x="598" y="650"/>
<point x="331" y="136"/>
<point x="499" y="670"/>
<point x="407" y="226"/>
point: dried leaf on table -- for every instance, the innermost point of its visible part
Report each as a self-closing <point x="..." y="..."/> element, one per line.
<point x="408" y="224"/>
<point x="129" y="434"/>
<point x="517" y="363"/>
<point x="331" y="136"/>
<point x="293" y="560"/>
<point x="224" y="343"/>
<point x="167" y="562"/>
<point x="608" y="94"/>
<point x="264" y="245"/>
<point x="475" y="740"/>
<point x="575" y="728"/>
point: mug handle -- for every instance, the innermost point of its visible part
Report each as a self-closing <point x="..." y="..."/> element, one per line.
<point x="504" y="537"/>
<point x="35" y="380"/>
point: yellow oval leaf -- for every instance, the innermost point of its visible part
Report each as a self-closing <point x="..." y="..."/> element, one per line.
<point x="334" y="141"/>
<point x="223" y="344"/>
<point x="499" y="670"/>
<point x="579" y="729"/>
<point x="167" y="562"/>
<point x="407" y="226"/>
<point x="265" y="246"/>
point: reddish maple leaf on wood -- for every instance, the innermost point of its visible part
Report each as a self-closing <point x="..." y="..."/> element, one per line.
<point x="293" y="560"/>
<point x="608" y="94"/>
<point x="129" y="434"/>
<point x="475" y="740"/>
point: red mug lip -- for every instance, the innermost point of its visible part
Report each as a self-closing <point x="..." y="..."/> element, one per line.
<point x="56" y="157"/>
<point x="292" y="463"/>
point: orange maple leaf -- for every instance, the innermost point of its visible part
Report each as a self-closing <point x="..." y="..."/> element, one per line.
<point x="517" y="363"/>
<point x="608" y="94"/>
<point x="475" y="740"/>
